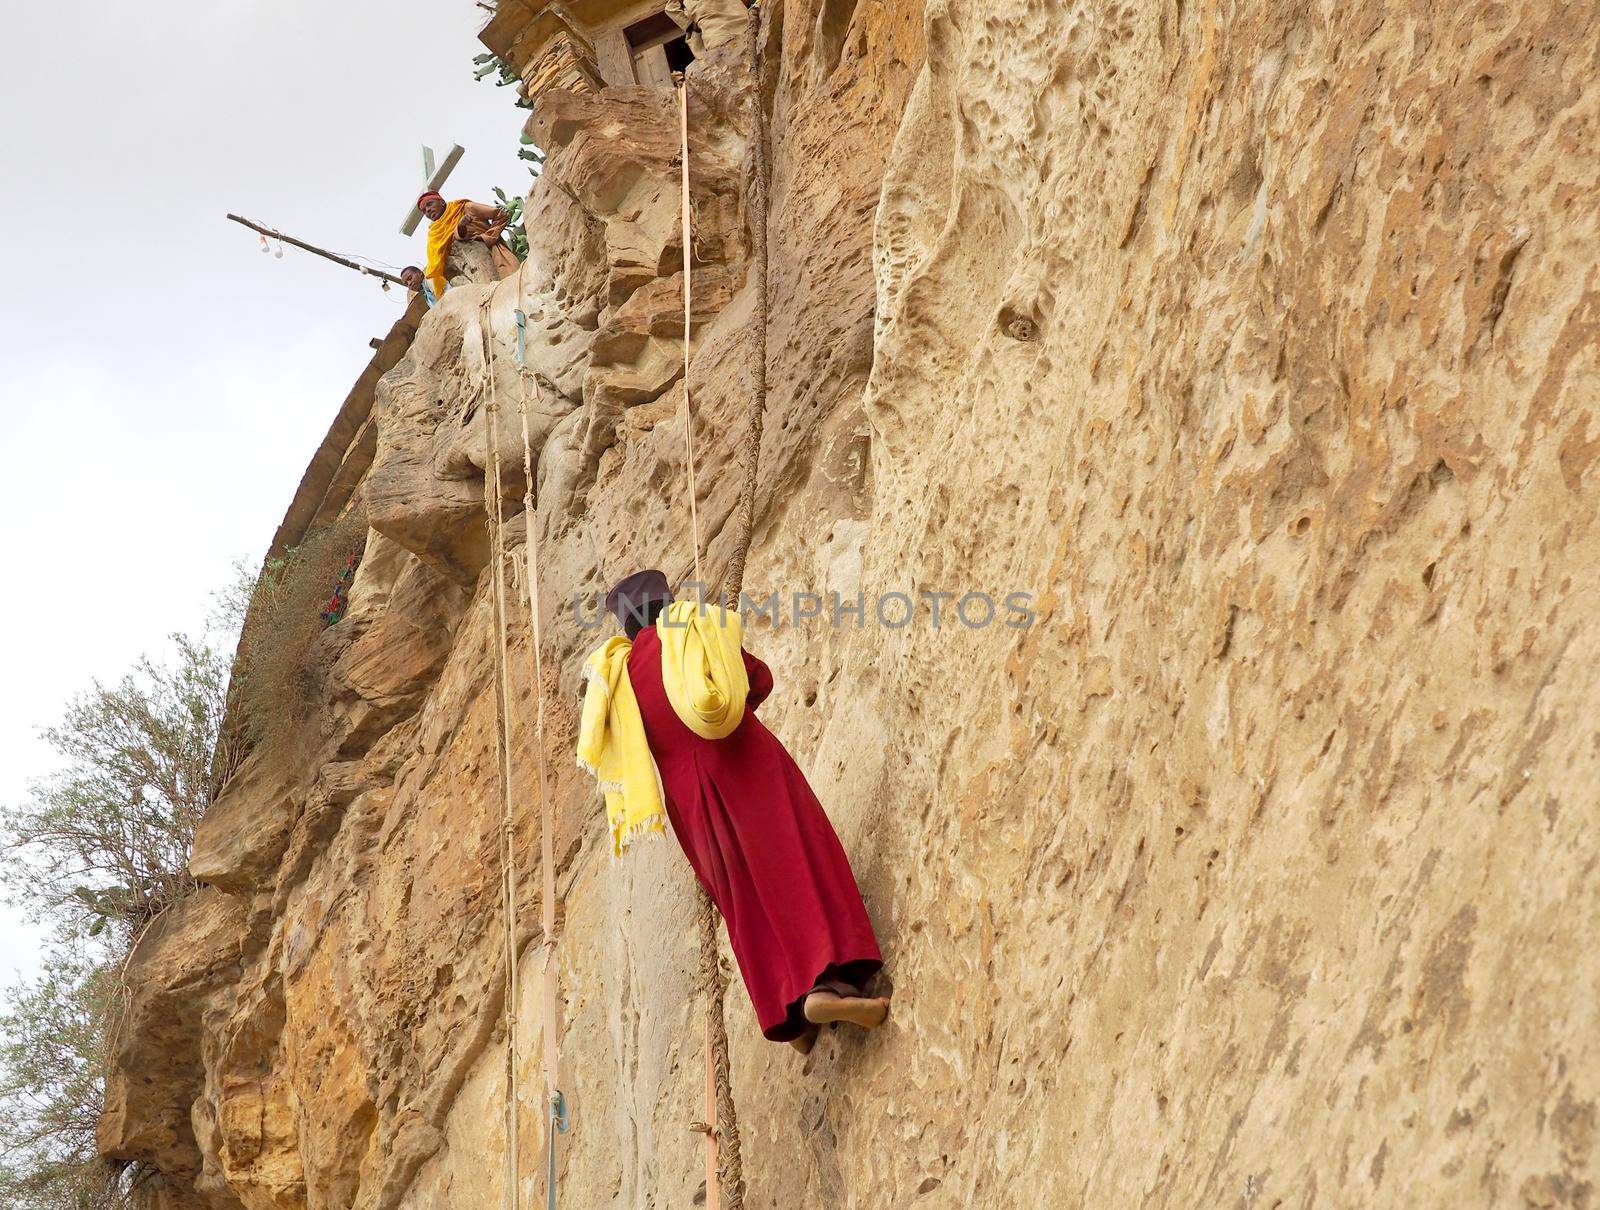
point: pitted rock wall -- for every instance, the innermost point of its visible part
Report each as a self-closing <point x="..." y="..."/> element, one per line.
<point x="1256" y="343"/>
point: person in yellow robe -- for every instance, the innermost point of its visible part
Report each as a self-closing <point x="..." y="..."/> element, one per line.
<point x="463" y="219"/>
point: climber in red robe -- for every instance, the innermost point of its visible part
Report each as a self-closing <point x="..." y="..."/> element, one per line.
<point x="760" y="844"/>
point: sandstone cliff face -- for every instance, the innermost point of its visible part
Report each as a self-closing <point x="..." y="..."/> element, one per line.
<point x="1257" y="343"/>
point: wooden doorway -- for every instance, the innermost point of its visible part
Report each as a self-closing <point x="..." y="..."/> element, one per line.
<point x="658" y="48"/>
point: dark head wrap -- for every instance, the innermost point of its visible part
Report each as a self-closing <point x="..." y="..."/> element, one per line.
<point x="632" y="597"/>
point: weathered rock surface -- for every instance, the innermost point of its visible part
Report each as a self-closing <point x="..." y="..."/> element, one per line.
<point x="1258" y="346"/>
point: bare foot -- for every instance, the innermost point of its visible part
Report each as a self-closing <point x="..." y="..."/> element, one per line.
<point x="821" y="1007"/>
<point x="807" y="1040"/>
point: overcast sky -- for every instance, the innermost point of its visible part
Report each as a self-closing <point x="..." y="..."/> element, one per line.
<point x="162" y="383"/>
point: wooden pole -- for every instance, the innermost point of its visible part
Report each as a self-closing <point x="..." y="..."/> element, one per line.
<point x="312" y="248"/>
<point x="434" y="178"/>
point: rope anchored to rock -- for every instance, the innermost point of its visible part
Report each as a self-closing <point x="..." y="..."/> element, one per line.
<point x="556" y="1120"/>
<point x="502" y="685"/>
<point x="724" y="1165"/>
<point x="549" y="974"/>
<point x="724" y="1160"/>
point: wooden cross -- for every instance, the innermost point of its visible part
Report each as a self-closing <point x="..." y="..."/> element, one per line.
<point x="433" y="177"/>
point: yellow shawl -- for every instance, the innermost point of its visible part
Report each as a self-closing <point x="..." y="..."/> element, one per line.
<point x="702" y="669"/>
<point x="613" y="748"/>
<point x="441" y="234"/>
<point x="702" y="666"/>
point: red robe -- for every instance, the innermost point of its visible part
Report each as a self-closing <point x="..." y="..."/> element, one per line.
<point x="761" y="846"/>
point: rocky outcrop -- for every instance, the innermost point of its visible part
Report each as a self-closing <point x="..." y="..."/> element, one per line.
<point x="1255" y="348"/>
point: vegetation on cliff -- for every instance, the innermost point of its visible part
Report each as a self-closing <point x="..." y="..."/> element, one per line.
<point x="53" y="1036"/>
<point x="101" y="848"/>
<point x="98" y="851"/>
<point x="279" y="668"/>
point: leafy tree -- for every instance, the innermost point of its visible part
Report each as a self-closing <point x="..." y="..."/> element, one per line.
<point x="516" y="232"/>
<point x="52" y="1038"/>
<point x="104" y="841"/>
<point x="100" y="849"/>
<point x="231" y="602"/>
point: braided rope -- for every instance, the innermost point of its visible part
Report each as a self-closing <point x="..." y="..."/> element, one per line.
<point x="688" y="320"/>
<point x="493" y="506"/>
<point x="734" y="584"/>
<point x="549" y="975"/>
<point x="730" y="1166"/>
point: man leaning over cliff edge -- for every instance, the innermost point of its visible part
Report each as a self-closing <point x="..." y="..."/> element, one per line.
<point x="669" y="728"/>
<point x="463" y="219"/>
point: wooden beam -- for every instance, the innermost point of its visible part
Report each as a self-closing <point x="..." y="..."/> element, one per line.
<point x="436" y="178"/>
<point x="312" y="248"/>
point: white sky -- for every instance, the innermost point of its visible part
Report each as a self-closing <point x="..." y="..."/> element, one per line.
<point x="163" y="384"/>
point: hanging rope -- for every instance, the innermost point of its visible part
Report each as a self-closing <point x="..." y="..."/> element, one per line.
<point x="724" y="1171"/>
<point x="724" y="1162"/>
<point x="556" y="1118"/>
<point x="734" y="583"/>
<point x="688" y="325"/>
<point x="724" y="1165"/>
<point x="493" y="506"/>
<point x="556" y="1111"/>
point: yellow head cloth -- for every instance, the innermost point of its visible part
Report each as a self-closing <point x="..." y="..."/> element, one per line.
<point x="441" y="234"/>
<point x="702" y="666"/>
<point x="612" y="746"/>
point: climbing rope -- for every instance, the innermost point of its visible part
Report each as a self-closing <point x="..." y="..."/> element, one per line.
<point x="557" y="1116"/>
<point x="723" y="1167"/>
<point x="724" y="1162"/>
<point x="556" y="1121"/>
<point x="493" y="506"/>
<point x="734" y="584"/>
<point x="688" y="326"/>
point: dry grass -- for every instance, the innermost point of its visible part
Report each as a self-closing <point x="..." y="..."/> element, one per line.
<point x="278" y="676"/>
